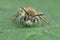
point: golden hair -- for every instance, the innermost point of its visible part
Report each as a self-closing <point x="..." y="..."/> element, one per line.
<point x="30" y="10"/>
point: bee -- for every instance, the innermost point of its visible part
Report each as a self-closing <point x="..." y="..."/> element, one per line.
<point x="29" y="15"/>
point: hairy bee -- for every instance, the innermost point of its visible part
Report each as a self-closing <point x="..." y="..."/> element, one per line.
<point x="29" y="15"/>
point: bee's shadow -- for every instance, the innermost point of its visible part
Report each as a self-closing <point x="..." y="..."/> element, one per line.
<point x="28" y="26"/>
<point x="22" y="25"/>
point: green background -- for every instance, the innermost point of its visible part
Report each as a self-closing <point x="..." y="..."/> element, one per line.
<point x="10" y="30"/>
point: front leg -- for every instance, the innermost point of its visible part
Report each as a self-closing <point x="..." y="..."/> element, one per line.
<point x="16" y="15"/>
<point x="43" y="17"/>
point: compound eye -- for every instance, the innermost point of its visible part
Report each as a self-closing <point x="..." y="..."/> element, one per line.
<point x="25" y="18"/>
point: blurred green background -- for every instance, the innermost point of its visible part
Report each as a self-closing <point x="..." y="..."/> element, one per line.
<point x="10" y="30"/>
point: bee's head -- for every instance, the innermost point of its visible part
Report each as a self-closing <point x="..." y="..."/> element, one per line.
<point x="29" y="21"/>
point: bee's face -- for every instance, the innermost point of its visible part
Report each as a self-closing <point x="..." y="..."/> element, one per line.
<point x="28" y="20"/>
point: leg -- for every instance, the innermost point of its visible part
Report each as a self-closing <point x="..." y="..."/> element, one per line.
<point x="16" y="15"/>
<point x="42" y="16"/>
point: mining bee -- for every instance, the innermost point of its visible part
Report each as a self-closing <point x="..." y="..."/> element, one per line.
<point x="29" y="15"/>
